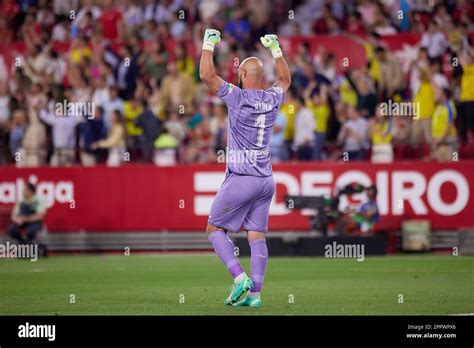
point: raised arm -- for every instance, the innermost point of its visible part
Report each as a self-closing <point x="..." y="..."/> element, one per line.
<point x="207" y="72"/>
<point x="283" y="72"/>
<point x="46" y="116"/>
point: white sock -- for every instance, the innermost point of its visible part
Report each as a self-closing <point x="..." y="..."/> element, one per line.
<point x="239" y="277"/>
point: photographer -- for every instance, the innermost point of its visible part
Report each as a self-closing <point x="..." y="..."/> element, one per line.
<point x="361" y="221"/>
<point x="27" y="214"/>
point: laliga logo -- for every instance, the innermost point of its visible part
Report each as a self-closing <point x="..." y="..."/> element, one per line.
<point x="50" y="192"/>
<point x="396" y="190"/>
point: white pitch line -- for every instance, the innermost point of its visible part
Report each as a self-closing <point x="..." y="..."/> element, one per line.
<point x="463" y="314"/>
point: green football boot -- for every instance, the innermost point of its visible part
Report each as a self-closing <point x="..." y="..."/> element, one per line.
<point x="249" y="301"/>
<point x="238" y="289"/>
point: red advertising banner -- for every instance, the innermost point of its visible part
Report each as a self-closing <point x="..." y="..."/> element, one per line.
<point x="149" y="198"/>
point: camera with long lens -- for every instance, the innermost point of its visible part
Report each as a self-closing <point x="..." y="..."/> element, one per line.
<point x="326" y="208"/>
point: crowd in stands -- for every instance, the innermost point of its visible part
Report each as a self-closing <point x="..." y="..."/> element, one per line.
<point x="116" y="81"/>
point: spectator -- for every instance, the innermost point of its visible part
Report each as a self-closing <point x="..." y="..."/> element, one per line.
<point x="347" y="95"/>
<point x="177" y="90"/>
<point x="178" y="27"/>
<point x="131" y="110"/>
<point x="115" y="141"/>
<point x="277" y="142"/>
<point x="164" y="10"/>
<point x="149" y="30"/>
<point x="175" y="127"/>
<point x="466" y="98"/>
<point x="424" y="98"/>
<point x="86" y="26"/>
<point x="382" y="24"/>
<point x="443" y="131"/>
<point x="391" y="76"/>
<point x="132" y="14"/>
<point x="354" y="24"/>
<point x="289" y="109"/>
<point x="150" y="126"/>
<point x="437" y="76"/>
<point x="321" y="26"/>
<point x="381" y="132"/>
<point x="363" y="85"/>
<point x="101" y="92"/>
<point x="127" y="72"/>
<point x="199" y="147"/>
<point x="238" y="27"/>
<point x="434" y="41"/>
<point x="218" y="125"/>
<point x="154" y="61"/>
<point x="91" y="131"/>
<point x="17" y="131"/>
<point x="166" y="149"/>
<point x="303" y="141"/>
<point x="79" y="51"/>
<point x="362" y="220"/>
<point x="417" y="66"/>
<point x="354" y="136"/>
<point x="63" y="127"/>
<point x="184" y="62"/>
<point x="5" y="100"/>
<point x="88" y="6"/>
<point x="111" y="21"/>
<point x="149" y="8"/>
<point x="317" y="103"/>
<point x="60" y="30"/>
<point x="32" y="151"/>
<point x="114" y="103"/>
<point x="28" y="214"/>
<point x="326" y="66"/>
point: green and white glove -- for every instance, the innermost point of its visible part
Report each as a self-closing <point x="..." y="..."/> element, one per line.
<point x="270" y="41"/>
<point x="211" y="38"/>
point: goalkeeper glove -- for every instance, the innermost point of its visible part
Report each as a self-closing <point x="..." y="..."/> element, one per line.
<point x="271" y="42"/>
<point x="211" y="38"/>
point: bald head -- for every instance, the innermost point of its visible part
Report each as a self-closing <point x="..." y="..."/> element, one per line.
<point x="251" y="73"/>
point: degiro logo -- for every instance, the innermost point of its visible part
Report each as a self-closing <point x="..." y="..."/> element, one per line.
<point x="50" y="192"/>
<point x="397" y="189"/>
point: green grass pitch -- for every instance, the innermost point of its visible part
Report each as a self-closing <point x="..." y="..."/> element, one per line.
<point x="171" y="284"/>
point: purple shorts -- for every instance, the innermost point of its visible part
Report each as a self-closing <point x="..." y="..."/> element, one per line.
<point x="243" y="201"/>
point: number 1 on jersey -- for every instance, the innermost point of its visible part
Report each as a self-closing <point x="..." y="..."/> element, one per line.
<point x="260" y="123"/>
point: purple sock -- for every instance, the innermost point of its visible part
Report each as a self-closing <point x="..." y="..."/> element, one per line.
<point x="224" y="248"/>
<point x="258" y="263"/>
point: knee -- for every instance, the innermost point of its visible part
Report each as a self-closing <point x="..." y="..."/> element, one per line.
<point x="12" y="228"/>
<point x="32" y="229"/>
<point x="211" y="228"/>
<point x="13" y="231"/>
<point x="254" y="236"/>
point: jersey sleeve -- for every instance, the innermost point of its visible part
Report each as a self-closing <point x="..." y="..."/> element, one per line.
<point x="277" y="95"/>
<point x="16" y="208"/>
<point x="40" y="207"/>
<point x="230" y="94"/>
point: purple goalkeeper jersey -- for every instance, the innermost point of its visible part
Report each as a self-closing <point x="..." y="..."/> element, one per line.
<point x="252" y="114"/>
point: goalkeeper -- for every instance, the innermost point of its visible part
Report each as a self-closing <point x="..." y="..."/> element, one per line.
<point x="243" y="200"/>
